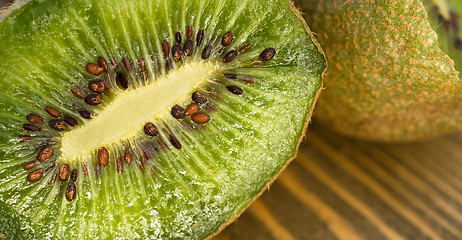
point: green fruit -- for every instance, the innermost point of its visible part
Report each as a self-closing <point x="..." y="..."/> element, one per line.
<point x="394" y="70"/>
<point x="110" y="132"/>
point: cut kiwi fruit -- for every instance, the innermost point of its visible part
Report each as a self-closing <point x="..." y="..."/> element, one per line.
<point x="150" y="119"/>
<point x="394" y="72"/>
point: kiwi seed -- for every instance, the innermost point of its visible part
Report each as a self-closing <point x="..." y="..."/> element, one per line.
<point x="85" y="114"/>
<point x="150" y="129"/>
<point x="200" y="117"/>
<point x="122" y="80"/>
<point x="188" y="48"/>
<point x="34" y="118"/>
<point x="103" y="157"/>
<point x="128" y="158"/>
<point x="35" y="175"/>
<point x="74" y="175"/>
<point x="77" y="92"/>
<point x="245" y="48"/>
<point x="191" y="109"/>
<point x="227" y="39"/>
<point x="169" y="64"/>
<point x="102" y="62"/>
<point x="57" y="125"/>
<point x="210" y="107"/>
<point x="247" y="79"/>
<point x="207" y="51"/>
<point x="119" y="165"/>
<point x="214" y="95"/>
<point x="141" y="64"/>
<point x="176" y="52"/>
<point x="96" y="86"/>
<point x="162" y="145"/>
<point x="71" y="191"/>
<point x="31" y="127"/>
<point x="178" y="112"/>
<point x="230" y="56"/>
<point x="45" y="154"/>
<point x="29" y="165"/>
<point x="53" y="112"/>
<point x="70" y="121"/>
<point x="64" y="172"/>
<point x="267" y="54"/>
<point x="235" y="89"/>
<point x="189" y="32"/>
<point x="174" y="141"/>
<point x="166" y="48"/>
<point x="94" y="69"/>
<point x="93" y="99"/>
<point x="178" y="37"/>
<point x="198" y="97"/>
<point x="127" y="64"/>
<point x="200" y="37"/>
<point x="230" y="75"/>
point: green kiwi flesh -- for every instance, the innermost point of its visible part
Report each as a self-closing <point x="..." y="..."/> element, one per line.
<point x="394" y="72"/>
<point x="83" y="83"/>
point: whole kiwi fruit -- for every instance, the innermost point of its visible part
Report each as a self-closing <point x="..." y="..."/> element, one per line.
<point x="151" y="119"/>
<point x="394" y="67"/>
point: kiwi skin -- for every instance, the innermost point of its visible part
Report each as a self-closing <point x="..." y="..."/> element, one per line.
<point x="388" y="80"/>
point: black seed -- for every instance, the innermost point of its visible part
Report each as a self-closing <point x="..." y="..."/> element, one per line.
<point x="31" y="127"/>
<point x="178" y="112"/>
<point x="458" y="44"/>
<point x="207" y="51"/>
<point x="93" y="99"/>
<point x="127" y="64"/>
<point x="166" y="48"/>
<point x="34" y="118"/>
<point x="176" y="52"/>
<point x="188" y="48"/>
<point x="230" y="56"/>
<point x="199" y="97"/>
<point x="77" y="92"/>
<point x="199" y="38"/>
<point x="57" y="125"/>
<point x="235" y="89"/>
<point x="53" y="112"/>
<point x="71" y="191"/>
<point x="64" y="172"/>
<point x="245" y="48"/>
<point x="102" y="62"/>
<point x="119" y="165"/>
<point x="85" y="114"/>
<point x="189" y="32"/>
<point x="128" y="158"/>
<point x="230" y="75"/>
<point x="74" y="175"/>
<point x="227" y="39"/>
<point x="141" y="64"/>
<point x="178" y="37"/>
<point x="150" y="129"/>
<point x="122" y="80"/>
<point x="70" y="121"/>
<point x="45" y="154"/>
<point x="96" y="86"/>
<point x="169" y="64"/>
<point x="35" y="175"/>
<point x="174" y="141"/>
<point x="267" y="54"/>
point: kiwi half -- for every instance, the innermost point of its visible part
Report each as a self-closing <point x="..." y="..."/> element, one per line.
<point x="394" y="72"/>
<point x="150" y="119"/>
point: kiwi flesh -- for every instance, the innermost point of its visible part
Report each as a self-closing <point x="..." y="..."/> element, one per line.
<point x="150" y="119"/>
<point x="395" y="65"/>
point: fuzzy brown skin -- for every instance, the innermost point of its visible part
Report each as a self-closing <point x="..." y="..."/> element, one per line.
<point x="387" y="80"/>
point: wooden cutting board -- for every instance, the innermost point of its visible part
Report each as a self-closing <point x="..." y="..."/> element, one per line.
<point x="342" y="188"/>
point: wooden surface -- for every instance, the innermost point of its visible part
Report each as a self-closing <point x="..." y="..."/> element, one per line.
<point x="341" y="188"/>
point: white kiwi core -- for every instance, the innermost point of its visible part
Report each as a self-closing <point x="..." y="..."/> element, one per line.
<point x="127" y="114"/>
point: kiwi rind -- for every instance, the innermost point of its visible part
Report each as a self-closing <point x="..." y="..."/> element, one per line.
<point x="312" y="59"/>
<point x="388" y="79"/>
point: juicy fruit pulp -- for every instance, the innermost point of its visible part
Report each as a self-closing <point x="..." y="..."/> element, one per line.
<point x="389" y="79"/>
<point x="108" y="147"/>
